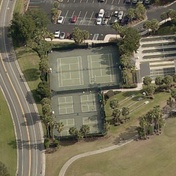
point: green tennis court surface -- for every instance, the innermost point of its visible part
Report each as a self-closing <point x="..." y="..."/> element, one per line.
<point x="74" y="79"/>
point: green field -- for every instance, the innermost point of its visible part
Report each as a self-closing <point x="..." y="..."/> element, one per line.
<point x="8" y="154"/>
<point x="153" y="157"/>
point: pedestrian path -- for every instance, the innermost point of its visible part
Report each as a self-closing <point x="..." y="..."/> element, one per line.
<point x="73" y="159"/>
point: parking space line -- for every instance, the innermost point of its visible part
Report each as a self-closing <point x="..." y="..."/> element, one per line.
<point x="73" y="14"/>
<point x="95" y="37"/>
<point x="74" y="1"/>
<point x="91" y="17"/>
<point x="119" y="2"/>
<point x="79" y="14"/>
<point x="67" y="0"/>
<point x="87" y="1"/>
<point x="80" y="1"/>
<point x="65" y="16"/>
<point x="82" y="21"/>
<point x="112" y="2"/>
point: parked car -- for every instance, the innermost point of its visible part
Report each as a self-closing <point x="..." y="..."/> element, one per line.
<point x="60" y="20"/>
<point x="99" y="21"/>
<point x="74" y="19"/>
<point x="105" y="21"/>
<point x="147" y="2"/>
<point x="114" y="20"/>
<point x="107" y="14"/>
<point x="127" y="1"/>
<point x="125" y="20"/>
<point x="116" y="13"/>
<point x="62" y="35"/>
<point x="101" y="13"/>
<point x="134" y="1"/>
<point x="120" y="15"/>
<point x="57" y="34"/>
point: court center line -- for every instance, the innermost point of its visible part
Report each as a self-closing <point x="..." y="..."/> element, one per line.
<point x="80" y="70"/>
<point x="69" y="65"/>
<point x="60" y="80"/>
<point x="111" y="68"/>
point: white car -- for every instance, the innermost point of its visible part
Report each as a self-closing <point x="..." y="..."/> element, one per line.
<point x="101" y="13"/>
<point x="120" y="15"/>
<point x="62" y="35"/>
<point x="57" y="34"/>
<point x="60" y="20"/>
<point x="99" y="21"/>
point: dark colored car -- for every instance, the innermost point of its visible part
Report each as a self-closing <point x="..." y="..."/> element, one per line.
<point x="74" y="19"/>
<point x="107" y="14"/>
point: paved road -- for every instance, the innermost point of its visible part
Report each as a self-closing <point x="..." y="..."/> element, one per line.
<point x="29" y="134"/>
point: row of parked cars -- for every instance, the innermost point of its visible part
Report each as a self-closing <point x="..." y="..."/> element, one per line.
<point x="104" y="18"/>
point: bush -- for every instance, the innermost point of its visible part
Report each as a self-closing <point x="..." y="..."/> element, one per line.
<point x="46" y="143"/>
<point x="56" y="143"/>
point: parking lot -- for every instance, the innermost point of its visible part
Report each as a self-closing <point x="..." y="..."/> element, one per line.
<point x="86" y="12"/>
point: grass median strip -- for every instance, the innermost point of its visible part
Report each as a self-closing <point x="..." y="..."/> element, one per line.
<point x="8" y="150"/>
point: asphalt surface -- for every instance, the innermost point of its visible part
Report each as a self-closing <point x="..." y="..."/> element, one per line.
<point x="29" y="134"/>
<point x="87" y="10"/>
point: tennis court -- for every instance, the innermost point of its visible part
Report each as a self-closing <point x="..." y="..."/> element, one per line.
<point x="92" y="122"/>
<point x="69" y="71"/>
<point x="88" y="103"/>
<point x="101" y="68"/>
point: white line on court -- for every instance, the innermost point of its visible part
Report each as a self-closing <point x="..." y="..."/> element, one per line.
<point x="61" y="81"/>
<point x="81" y="70"/>
<point x="111" y="68"/>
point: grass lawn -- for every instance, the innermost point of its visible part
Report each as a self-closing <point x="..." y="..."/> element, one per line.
<point x="137" y="108"/>
<point x="8" y="154"/>
<point x="29" y="64"/>
<point x="154" y="157"/>
<point x="19" y="6"/>
<point x="67" y="150"/>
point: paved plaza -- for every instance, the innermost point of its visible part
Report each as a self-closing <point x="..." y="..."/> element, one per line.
<point x="75" y="77"/>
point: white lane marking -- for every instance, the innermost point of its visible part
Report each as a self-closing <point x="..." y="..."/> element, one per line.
<point x="91" y="17"/>
<point x="95" y="37"/>
<point x="73" y="14"/>
<point x="14" y="124"/>
<point x="65" y="16"/>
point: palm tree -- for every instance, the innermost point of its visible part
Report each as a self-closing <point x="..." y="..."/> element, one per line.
<point x="59" y="126"/>
<point x="46" y="121"/>
<point x="85" y="129"/>
<point x="143" y="124"/>
<point x="73" y="131"/>
<point x="116" y="114"/>
<point x="125" y="112"/>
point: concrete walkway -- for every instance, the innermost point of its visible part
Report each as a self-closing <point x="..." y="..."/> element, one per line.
<point x="73" y="159"/>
